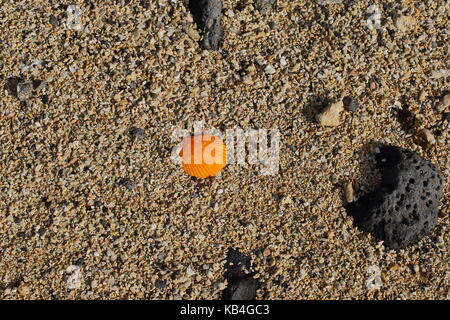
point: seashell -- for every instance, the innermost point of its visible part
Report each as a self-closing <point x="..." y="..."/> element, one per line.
<point x="203" y="155"/>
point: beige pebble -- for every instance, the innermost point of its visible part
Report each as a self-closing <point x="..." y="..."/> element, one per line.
<point x="330" y="117"/>
<point x="193" y="34"/>
<point x="269" y="69"/>
<point x="444" y="104"/>
<point x="24" y="290"/>
<point x="247" y="79"/>
<point x="349" y="192"/>
<point x="405" y="23"/>
<point x="423" y="95"/>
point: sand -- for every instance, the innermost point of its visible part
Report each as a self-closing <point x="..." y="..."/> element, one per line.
<point x="90" y="211"/>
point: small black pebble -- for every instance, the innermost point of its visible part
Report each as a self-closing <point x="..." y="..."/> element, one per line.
<point x="350" y="104"/>
<point x="244" y="223"/>
<point x="160" y="284"/>
<point x="54" y="21"/>
<point x="263" y="6"/>
<point x="137" y="133"/>
<point x="446" y="116"/>
<point x="127" y="183"/>
<point x="45" y="99"/>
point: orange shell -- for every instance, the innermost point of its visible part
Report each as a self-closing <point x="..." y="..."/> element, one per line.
<point x="203" y="155"/>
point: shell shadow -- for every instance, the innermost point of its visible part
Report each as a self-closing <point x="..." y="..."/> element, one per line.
<point x="10" y="85"/>
<point x="312" y="107"/>
<point x="368" y="178"/>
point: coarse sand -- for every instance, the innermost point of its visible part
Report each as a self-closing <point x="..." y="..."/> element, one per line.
<point x="93" y="207"/>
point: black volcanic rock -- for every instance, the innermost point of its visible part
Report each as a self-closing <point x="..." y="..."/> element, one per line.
<point x="244" y="289"/>
<point x="350" y="104"/>
<point x="136" y="133"/>
<point x="241" y="286"/>
<point x="206" y="14"/>
<point x="405" y="207"/>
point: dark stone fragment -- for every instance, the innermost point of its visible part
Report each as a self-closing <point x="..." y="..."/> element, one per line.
<point x="104" y="223"/>
<point x="79" y="262"/>
<point x="263" y="6"/>
<point x="137" y="133"/>
<point x="127" y="183"/>
<point x="245" y="289"/>
<point x="160" y="284"/>
<point x="45" y="99"/>
<point x="350" y="104"/>
<point x="404" y="208"/>
<point x="244" y="223"/>
<point x="241" y="286"/>
<point x="446" y="116"/>
<point x="206" y="14"/>
<point x="54" y="21"/>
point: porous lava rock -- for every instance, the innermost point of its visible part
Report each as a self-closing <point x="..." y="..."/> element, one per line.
<point x="404" y="208"/>
<point x="206" y="14"/>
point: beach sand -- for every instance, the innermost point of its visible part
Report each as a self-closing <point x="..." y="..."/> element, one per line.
<point x="90" y="211"/>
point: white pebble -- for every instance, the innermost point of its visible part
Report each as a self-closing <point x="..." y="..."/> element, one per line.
<point x="75" y="279"/>
<point x="269" y="69"/>
<point x="373" y="281"/>
<point x="374" y="21"/>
